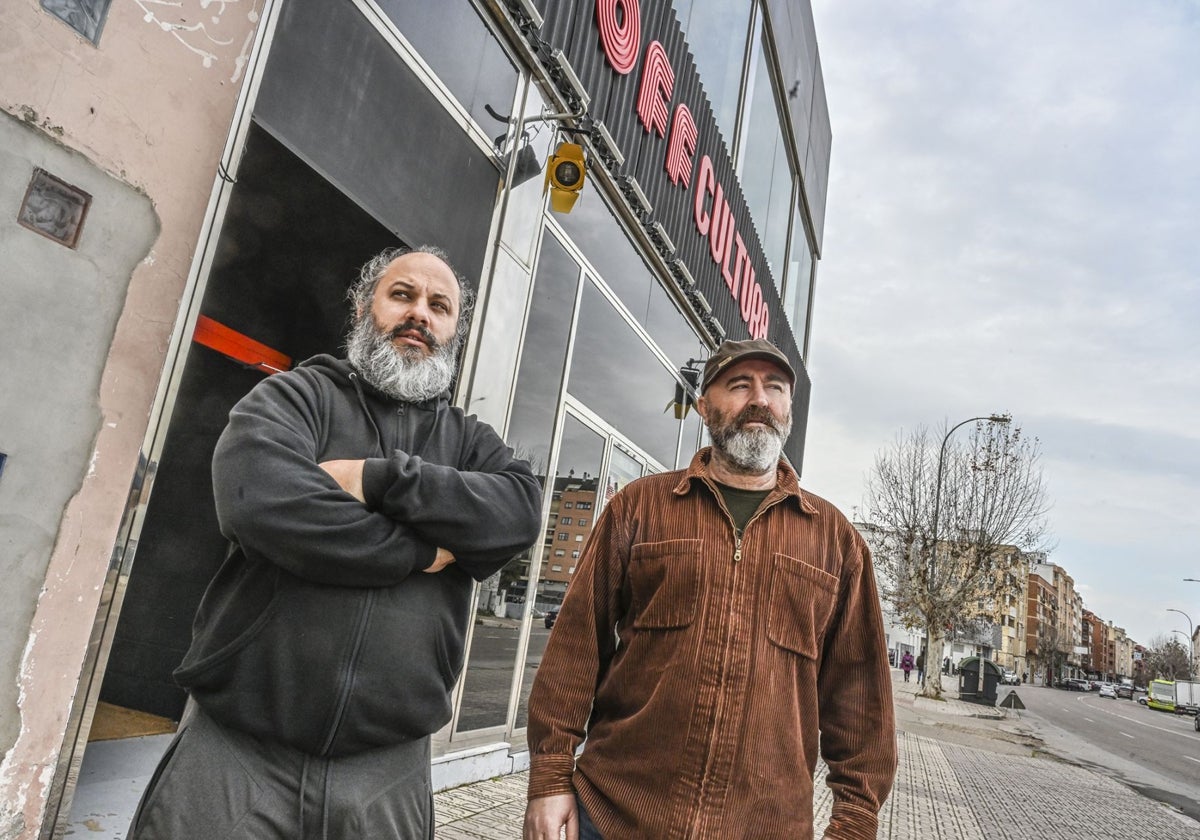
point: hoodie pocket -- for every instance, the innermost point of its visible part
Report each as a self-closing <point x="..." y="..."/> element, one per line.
<point x="283" y="678"/>
<point x="802" y="600"/>
<point x="665" y="581"/>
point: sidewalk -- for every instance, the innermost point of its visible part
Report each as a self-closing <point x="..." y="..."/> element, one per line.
<point x="943" y="789"/>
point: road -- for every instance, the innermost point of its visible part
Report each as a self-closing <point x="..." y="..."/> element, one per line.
<point x="488" y="679"/>
<point x="1155" y="752"/>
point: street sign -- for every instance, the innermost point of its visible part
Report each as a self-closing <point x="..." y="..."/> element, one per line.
<point x="1012" y="701"/>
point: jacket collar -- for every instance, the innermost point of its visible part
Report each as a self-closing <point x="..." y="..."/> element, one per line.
<point x="786" y="484"/>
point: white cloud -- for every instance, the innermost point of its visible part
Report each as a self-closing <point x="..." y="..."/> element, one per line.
<point x="1013" y="220"/>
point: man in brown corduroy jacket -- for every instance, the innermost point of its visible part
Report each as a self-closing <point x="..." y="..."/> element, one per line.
<point x="723" y="629"/>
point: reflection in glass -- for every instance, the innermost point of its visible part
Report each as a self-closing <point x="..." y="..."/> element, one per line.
<point x="716" y="32"/>
<point x="523" y="215"/>
<point x="763" y="166"/>
<point x="690" y="440"/>
<point x="671" y="331"/>
<point x="538" y="389"/>
<point x="464" y="54"/>
<point x="574" y="504"/>
<point x="799" y="280"/>
<point x="598" y="234"/>
<point x="616" y="375"/>
<point x="622" y="469"/>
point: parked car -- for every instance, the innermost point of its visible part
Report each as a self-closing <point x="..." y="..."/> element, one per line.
<point x="1075" y="684"/>
<point x="1010" y="677"/>
<point x="550" y="617"/>
<point x="1108" y="690"/>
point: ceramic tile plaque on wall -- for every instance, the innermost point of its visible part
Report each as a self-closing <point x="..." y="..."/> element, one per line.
<point x="84" y="16"/>
<point x="54" y="208"/>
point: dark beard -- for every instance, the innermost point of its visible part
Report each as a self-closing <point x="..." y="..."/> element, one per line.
<point x="749" y="451"/>
<point x="407" y="374"/>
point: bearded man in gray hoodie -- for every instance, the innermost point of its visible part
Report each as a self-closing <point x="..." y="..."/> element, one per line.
<point x="360" y="506"/>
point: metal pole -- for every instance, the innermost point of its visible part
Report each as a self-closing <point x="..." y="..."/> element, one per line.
<point x="1191" y="642"/>
<point x="937" y="503"/>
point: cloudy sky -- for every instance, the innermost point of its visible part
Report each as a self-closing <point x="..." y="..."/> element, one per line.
<point x="1014" y="226"/>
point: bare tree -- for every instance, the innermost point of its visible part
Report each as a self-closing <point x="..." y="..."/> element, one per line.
<point x="1167" y="659"/>
<point x="1050" y="653"/>
<point x="991" y="505"/>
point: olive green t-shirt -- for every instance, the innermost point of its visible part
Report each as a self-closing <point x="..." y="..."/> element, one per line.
<point x="742" y="504"/>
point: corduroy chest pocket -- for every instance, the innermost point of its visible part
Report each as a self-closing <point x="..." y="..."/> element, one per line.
<point x="802" y="600"/>
<point x="664" y="579"/>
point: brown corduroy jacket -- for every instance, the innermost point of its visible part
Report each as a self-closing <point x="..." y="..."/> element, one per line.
<point x="706" y="672"/>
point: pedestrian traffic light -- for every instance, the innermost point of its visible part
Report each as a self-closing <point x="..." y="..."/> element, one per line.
<point x="564" y="176"/>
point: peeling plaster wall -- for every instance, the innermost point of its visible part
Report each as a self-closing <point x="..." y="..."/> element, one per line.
<point x="138" y="121"/>
<point x="59" y="313"/>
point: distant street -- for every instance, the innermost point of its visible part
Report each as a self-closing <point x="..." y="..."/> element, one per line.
<point x="1155" y="752"/>
<point x="489" y="674"/>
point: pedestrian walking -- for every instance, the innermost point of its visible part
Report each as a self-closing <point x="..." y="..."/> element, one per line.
<point x="722" y="629"/>
<point x="360" y="507"/>
<point x="921" y="666"/>
<point x="906" y="664"/>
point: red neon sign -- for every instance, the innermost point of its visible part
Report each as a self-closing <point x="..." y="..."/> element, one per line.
<point x="619" y="22"/>
<point x="658" y="81"/>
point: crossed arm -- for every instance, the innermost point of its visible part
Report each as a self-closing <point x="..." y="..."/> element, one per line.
<point x="348" y="474"/>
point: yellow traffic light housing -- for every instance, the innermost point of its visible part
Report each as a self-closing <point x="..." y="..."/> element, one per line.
<point x="565" y="174"/>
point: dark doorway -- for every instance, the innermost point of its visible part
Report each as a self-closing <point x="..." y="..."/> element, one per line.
<point x="289" y="247"/>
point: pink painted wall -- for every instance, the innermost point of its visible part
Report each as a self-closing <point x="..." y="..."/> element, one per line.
<point x="151" y="105"/>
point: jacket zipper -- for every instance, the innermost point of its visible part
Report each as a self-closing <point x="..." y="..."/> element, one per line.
<point x="719" y="715"/>
<point x="360" y="635"/>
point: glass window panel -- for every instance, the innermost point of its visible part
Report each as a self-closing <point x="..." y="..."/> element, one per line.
<point x="716" y="32"/>
<point x="799" y="279"/>
<point x="597" y="233"/>
<point x="463" y="53"/>
<point x="616" y="375"/>
<point x="622" y="469"/>
<point x="763" y="167"/>
<point x="672" y="332"/>
<point x="501" y="602"/>
<point x="576" y="482"/>
<point x="523" y="216"/>
<point x="543" y="359"/>
<point x="691" y="438"/>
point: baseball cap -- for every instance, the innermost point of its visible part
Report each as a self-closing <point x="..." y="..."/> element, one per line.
<point x="737" y="351"/>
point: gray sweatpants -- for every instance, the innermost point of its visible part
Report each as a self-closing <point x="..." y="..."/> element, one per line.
<point x="214" y="783"/>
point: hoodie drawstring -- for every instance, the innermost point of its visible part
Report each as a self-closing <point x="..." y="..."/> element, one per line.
<point x="362" y="402"/>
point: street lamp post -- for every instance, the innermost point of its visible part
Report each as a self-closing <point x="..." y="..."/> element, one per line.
<point x="937" y="503"/>
<point x="1191" y="641"/>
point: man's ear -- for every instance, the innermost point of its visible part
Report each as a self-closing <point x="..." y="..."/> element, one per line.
<point x="702" y="406"/>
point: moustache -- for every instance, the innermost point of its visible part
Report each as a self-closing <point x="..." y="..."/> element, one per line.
<point x="413" y="326"/>
<point x="758" y="414"/>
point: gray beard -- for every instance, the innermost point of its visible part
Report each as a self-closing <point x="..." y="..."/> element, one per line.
<point x="754" y="451"/>
<point x="404" y="374"/>
<point x="749" y="451"/>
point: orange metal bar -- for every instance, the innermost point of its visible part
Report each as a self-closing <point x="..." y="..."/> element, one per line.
<point x="238" y="347"/>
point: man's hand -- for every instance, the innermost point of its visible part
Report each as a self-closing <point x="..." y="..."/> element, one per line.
<point x="546" y="815"/>
<point x="348" y="475"/>
<point x="441" y="560"/>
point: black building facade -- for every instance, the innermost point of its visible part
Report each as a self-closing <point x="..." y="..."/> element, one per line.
<point x="369" y="123"/>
